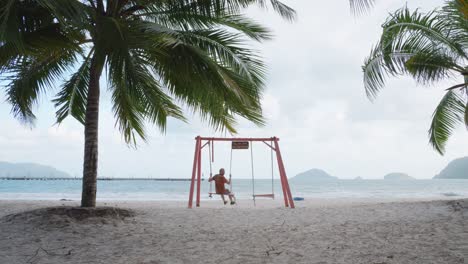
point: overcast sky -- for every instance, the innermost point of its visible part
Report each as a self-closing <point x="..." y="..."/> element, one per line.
<point x="314" y="101"/>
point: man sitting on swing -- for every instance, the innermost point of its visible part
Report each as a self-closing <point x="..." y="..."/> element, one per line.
<point x="220" y="180"/>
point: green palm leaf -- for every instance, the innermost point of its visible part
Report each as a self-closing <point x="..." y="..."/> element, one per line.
<point x="457" y="12"/>
<point x="33" y="76"/>
<point x="448" y="114"/>
<point x="431" y="65"/>
<point x="71" y="100"/>
<point x="138" y="96"/>
<point x="431" y="27"/>
<point x="429" y="47"/>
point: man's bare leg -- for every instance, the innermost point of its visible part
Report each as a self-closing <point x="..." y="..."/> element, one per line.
<point x="230" y="195"/>
<point x="232" y="198"/>
<point x="222" y="197"/>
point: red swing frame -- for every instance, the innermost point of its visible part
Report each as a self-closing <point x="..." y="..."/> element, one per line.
<point x="201" y="142"/>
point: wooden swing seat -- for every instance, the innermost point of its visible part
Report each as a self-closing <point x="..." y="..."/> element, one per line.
<point x="212" y="193"/>
<point x="268" y="195"/>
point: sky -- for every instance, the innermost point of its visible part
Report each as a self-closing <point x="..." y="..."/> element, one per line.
<point x="314" y="102"/>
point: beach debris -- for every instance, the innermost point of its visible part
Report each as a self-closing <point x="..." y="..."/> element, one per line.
<point x="273" y="251"/>
<point x="456" y="205"/>
<point x="49" y="252"/>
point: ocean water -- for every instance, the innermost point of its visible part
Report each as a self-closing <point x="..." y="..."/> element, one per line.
<point x="243" y="188"/>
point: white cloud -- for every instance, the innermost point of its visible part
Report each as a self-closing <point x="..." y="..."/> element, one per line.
<point x="271" y="107"/>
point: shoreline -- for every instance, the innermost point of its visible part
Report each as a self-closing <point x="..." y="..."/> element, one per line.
<point x="50" y="197"/>
<point x="278" y="201"/>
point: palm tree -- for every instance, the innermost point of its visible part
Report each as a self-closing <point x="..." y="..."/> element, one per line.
<point x="155" y="55"/>
<point x="429" y="47"/>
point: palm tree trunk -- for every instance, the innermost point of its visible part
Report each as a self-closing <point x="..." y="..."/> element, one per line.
<point x="90" y="162"/>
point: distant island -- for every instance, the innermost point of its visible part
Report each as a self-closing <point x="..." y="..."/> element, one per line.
<point x="314" y="174"/>
<point x="456" y="169"/>
<point x="29" y="170"/>
<point x="398" y="176"/>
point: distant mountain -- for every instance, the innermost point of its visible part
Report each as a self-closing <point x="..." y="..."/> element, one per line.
<point x="456" y="169"/>
<point x="398" y="176"/>
<point x="358" y="178"/>
<point x="20" y="170"/>
<point x="314" y="174"/>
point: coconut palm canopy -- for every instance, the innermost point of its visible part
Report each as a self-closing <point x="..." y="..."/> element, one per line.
<point x="430" y="47"/>
<point x="156" y="53"/>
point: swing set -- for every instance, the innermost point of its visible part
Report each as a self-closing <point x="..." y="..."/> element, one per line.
<point x="238" y="144"/>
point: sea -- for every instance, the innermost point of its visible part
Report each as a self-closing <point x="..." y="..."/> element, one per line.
<point x="151" y="190"/>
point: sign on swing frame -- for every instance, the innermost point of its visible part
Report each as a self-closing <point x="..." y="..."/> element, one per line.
<point x="240" y="145"/>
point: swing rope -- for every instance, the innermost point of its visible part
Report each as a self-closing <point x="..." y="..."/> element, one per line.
<point x="230" y="170"/>
<point x="253" y="177"/>
<point x="211" y="169"/>
<point x="272" y="178"/>
<point x="268" y="195"/>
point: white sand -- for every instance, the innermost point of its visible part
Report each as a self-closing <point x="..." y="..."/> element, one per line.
<point x="318" y="231"/>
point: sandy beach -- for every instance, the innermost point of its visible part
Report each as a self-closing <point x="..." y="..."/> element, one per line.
<point x="318" y="231"/>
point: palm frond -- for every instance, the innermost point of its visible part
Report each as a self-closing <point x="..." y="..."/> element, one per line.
<point x="361" y="6"/>
<point x="67" y="12"/>
<point x="456" y="11"/>
<point x="235" y="6"/>
<point x="223" y="47"/>
<point x="283" y="10"/>
<point x="429" y="65"/>
<point x="136" y="94"/>
<point x="431" y="27"/>
<point x="205" y="69"/>
<point x="215" y="8"/>
<point x="72" y="99"/>
<point x="415" y="44"/>
<point x="9" y="22"/>
<point x="207" y="87"/>
<point x="18" y="18"/>
<point x="246" y="26"/>
<point x="430" y="47"/>
<point x="30" y="77"/>
<point x="379" y="65"/>
<point x="449" y="113"/>
<point x="239" y="23"/>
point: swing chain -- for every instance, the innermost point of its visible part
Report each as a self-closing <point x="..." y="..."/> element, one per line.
<point x="253" y="177"/>
<point x="230" y="172"/>
<point x="272" y="172"/>
<point x="211" y="170"/>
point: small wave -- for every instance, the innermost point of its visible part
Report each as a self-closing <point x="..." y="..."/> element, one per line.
<point x="450" y="194"/>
